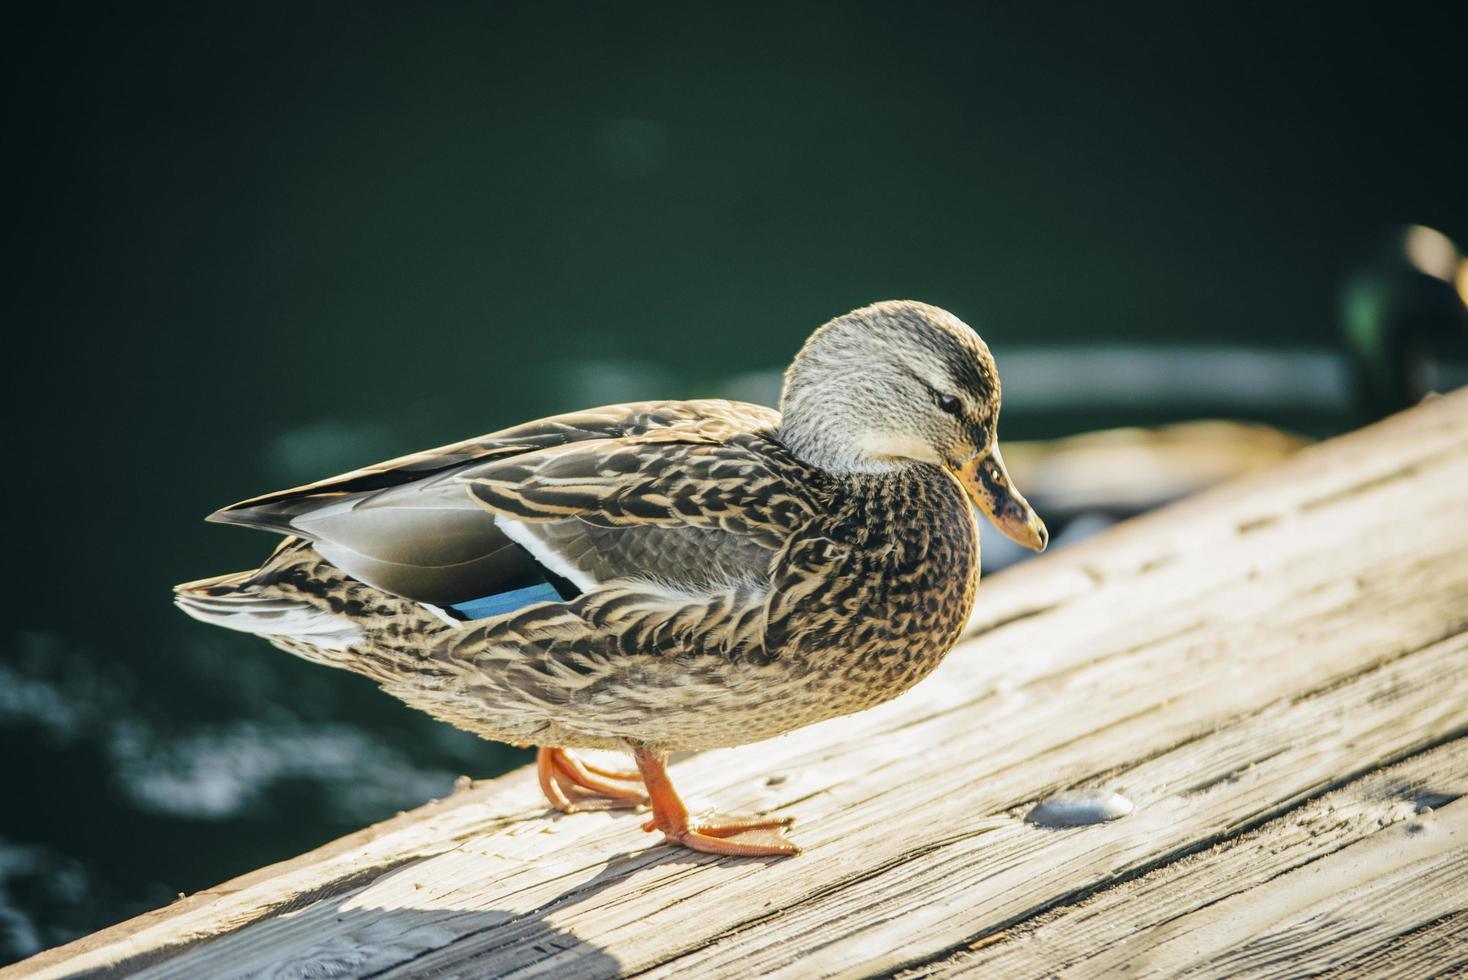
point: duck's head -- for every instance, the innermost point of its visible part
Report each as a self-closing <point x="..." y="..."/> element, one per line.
<point x="900" y="384"/>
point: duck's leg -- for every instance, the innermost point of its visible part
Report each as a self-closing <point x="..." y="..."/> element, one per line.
<point x="764" y="836"/>
<point x="560" y="771"/>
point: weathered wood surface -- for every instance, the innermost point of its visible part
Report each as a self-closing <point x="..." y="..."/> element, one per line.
<point x="1275" y="672"/>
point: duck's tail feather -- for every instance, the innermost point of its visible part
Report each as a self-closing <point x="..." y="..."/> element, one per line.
<point x="248" y="602"/>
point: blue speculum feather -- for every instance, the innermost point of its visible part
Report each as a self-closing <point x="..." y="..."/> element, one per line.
<point x="503" y="602"/>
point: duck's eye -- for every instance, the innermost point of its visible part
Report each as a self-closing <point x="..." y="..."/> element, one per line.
<point x="950" y="404"/>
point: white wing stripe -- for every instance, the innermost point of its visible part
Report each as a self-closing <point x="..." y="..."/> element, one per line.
<point x="522" y="535"/>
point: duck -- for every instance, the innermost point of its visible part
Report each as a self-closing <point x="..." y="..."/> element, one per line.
<point x="662" y="576"/>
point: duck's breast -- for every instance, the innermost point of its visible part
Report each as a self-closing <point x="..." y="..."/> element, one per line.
<point x="878" y="591"/>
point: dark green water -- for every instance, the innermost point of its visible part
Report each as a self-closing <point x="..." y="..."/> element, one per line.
<point x="257" y="245"/>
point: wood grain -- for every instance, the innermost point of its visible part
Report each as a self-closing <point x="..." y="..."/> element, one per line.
<point x="1278" y="897"/>
<point x="1275" y="672"/>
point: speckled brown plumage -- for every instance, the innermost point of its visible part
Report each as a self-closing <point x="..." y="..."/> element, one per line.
<point x="861" y="604"/>
<point x="710" y="573"/>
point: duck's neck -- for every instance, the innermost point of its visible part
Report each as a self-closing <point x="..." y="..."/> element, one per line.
<point x="840" y="417"/>
<point x="836" y="452"/>
<point x="833" y="442"/>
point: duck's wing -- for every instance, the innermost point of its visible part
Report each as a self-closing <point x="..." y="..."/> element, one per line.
<point x="426" y="526"/>
<point x="688" y="514"/>
<point x="706" y="418"/>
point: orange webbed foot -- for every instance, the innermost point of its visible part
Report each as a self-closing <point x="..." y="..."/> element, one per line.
<point x="715" y="833"/>
<point x="735" y="836"/>
<point x="572" y="785"/>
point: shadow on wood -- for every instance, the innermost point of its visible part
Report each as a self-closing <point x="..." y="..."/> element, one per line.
<point x="357" y="935"/>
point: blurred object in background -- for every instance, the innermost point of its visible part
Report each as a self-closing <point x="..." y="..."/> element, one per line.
<point x="1128" y="471"/>
<point x="1083" y="484"/>
<point x="1405" y="315"/>
<point x="1182" y="380"/>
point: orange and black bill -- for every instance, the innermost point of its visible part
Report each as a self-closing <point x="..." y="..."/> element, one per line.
<point x="989" y="487"/>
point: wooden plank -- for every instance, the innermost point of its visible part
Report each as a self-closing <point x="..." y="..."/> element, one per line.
<point x="1220" y="663"/>
<point x="1327" y="914"/>
<point x="979" y="885"/>
<point x="1366" y="874"/>
<point x="1435" y="950"/>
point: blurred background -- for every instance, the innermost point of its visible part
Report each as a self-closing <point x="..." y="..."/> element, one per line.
<point x="255" y="245"/>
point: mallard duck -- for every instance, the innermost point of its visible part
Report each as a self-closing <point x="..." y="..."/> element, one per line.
<point x="660" y="576"/>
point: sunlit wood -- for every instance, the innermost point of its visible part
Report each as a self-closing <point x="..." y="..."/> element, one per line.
<point x="1274" y="673"/>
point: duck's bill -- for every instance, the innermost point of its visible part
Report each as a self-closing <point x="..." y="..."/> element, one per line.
<point x="989" y="487"/>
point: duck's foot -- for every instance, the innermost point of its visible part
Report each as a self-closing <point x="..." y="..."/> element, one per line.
<point x="713" y="834"/>
<point x="571" y="784"/>
<point x="752" y="836"/>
